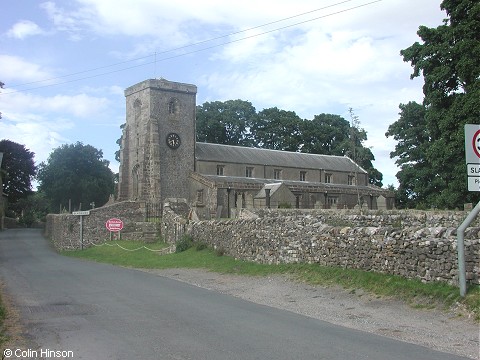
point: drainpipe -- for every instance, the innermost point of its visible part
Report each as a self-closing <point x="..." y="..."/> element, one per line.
<point x="461" y="249"/>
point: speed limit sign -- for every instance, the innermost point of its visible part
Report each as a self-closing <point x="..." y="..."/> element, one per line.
<point x="476" y="143"/>
<point x="472" y="143"/>
<point x="472" y="156"/>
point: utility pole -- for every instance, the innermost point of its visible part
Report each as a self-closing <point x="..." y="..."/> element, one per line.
<point x="354" y="126"/>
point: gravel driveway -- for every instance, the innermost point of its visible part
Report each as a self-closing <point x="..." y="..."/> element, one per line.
<point x="438" y="330"/>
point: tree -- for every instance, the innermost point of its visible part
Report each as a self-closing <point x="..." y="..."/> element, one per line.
<point x="326" y="134"/>
<point x="413" y="140"/>
<point x="34" y="207"/>
<point x="448" y="61"/>
<point x="78" y="173"/>
<point x="277" y="129"/>
<point x="333" y="135"/>
<point x="19" y="170"/>
<point x="225" y="122"/>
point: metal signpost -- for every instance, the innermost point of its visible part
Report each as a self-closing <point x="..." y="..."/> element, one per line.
<point x="81" y="214"/>
<point x="472" y="157"/>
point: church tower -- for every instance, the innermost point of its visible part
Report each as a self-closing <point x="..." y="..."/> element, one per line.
<point x="158" y="142"/>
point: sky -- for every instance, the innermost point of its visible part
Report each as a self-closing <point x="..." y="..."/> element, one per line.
<point x="65" y="64"/>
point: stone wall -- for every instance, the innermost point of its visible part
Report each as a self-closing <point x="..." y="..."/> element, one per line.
<point x="174" y="219"/>
<point x="64" y="229"/>
<point x="413" y="244"/>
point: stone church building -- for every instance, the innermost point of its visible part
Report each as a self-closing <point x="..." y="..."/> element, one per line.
<point x="160" y="159"/>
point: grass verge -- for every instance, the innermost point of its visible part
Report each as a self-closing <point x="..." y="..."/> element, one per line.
<point x="414" y="292"/>
<point x="3" y="315"/>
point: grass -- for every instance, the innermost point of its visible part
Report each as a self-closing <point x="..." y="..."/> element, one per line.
<point x="414" y="292"/>
<point x="3" y="316"/>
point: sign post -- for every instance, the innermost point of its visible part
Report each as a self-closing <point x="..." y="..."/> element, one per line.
<point x="114" y="225"/>
<point x="472" y="158"/>
<point x="81" y="214"/>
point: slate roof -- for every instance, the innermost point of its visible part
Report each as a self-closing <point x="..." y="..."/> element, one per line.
<point x="254" y="156"/>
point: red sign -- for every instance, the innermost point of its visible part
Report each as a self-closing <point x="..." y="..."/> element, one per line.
<point x="114" y="225"/>
<point x="476" y="143"/>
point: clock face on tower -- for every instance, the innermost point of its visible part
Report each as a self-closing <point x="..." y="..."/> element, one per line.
<point x="173" y="140"/>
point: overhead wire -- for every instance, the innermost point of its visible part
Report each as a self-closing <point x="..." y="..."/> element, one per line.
<point x="188" y="46"/>
<point x="181" y="47"/>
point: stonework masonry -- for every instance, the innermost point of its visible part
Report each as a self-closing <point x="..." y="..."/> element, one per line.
<point x="64" y="229"/>
<point x="412" y="244"/>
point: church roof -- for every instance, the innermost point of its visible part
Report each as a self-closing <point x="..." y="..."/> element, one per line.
<point x="255" y="156"/>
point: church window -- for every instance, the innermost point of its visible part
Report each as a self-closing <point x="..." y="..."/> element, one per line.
<point x="277" y="174"/>
<point x="303" y="176"/>
<point x="328" y="178"/>
<point x="220" y="170"/>
<point x="135" y="181"/>
<point x="173" y="106"/>
<point x="249" y="172"/>
<point x="137" y="107"/>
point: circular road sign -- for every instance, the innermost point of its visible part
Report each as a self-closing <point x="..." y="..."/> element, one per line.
<point x="114" y="225"/>
<point x="476" y="143"/>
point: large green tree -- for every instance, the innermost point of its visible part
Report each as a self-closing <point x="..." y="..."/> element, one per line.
<point x="413" y="139"/>
<point x="448" y="59"/>
<point x="277" y="129"/>
<point x="333" y="135"/>
<point x="235" y="122"/>
<point x="226" y="122"/>
<point x="18" y="169"/>
<point x="76" y="173"/>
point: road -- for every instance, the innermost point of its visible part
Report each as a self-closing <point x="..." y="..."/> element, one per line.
<point x="97" y="311"/>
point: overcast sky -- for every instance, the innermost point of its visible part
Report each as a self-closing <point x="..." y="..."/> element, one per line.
<point x="65" y="64"/>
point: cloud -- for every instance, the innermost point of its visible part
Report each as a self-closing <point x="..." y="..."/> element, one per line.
<point x="15" y="68"/>
<point x="40" y="134"/>
<point x="24" y="29"/>
<point x="80" y="105"/>
<point x="42" y="121"/>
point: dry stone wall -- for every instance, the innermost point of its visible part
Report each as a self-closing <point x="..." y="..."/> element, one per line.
<point x="413" y="244"/>
<point x="64" y="229"/>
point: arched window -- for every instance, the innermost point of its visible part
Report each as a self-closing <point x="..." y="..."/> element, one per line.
<point x="135" y="180"/>
<point x="173" y="106"/>
<point x="137" y="108"/>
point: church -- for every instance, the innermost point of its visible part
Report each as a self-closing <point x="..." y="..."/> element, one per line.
<point x="160" y="159"/>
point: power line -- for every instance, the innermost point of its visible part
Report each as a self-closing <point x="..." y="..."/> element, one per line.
<point x="182" y="47"/>
<point x="188" y="46"/>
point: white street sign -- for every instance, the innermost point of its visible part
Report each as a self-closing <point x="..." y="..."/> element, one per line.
<point x="472" y="156"/>
<point x="473" y="169"/>
<point x="473" y="183"/>
<point x="87" y="212"/>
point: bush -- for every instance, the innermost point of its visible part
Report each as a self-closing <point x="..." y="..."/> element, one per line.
<point x="28" y="219"/>
<point x="220" y="251"/>
<point x="200" y="246"/>
<point x="183" y="244"/>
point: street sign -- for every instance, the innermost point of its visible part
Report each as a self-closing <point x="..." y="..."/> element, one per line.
<point x="114" y="225"/>
<point x="473" y="183"/>
<point x="472" y="156"/>
<point x="81" y="213"/>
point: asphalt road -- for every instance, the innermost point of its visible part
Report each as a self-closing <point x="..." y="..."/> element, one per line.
<point x="97" y="311"/>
